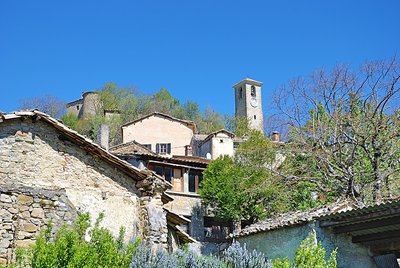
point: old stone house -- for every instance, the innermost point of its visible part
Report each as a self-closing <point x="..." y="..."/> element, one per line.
<point x="48" y="171"/>
<point x="364" y="236"/>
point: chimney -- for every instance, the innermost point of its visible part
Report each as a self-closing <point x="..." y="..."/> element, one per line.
<point x="188" y="150"/>
<point x="102" y="136"/>
<point x="275" y="136"/>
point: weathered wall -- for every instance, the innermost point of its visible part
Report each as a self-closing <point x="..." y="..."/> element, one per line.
<point x="222" y="144"/>
<point x="243" y="107"/>
<point x="284" y="242"/>
<point x="91" y="105"/>
<point x="189" y="205"/>
<point x="206" y="147"/>
<point x="74" y="107"/>
<point x="24" y="211"/>
<point x="155" y="129"/>
<point x="35" y="154"/>
<point x="154" y="221"/>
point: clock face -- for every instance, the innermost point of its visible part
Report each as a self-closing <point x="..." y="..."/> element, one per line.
<point x="253" y="102"/>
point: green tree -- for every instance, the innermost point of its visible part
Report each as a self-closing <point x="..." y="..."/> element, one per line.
<point x="243" y="188"/>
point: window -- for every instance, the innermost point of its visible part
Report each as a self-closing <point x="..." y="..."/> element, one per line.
<point x="192" y="182"/>
<point x="195" y="177"/>
<point x="255" y="117"/>
<point x="163" y="148"/>
<point x="148" y="146"/>
<point x="168" y="174"/>
<point x="240" y="93"/>
<point x="159" y="170"/>
<point x="253" y="91"/>
<point x="77" y="107"/>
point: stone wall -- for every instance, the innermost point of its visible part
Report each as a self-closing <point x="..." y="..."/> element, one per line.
<point x="284" y="242"/>
<point x="189" y="205"/>
<point x="154" y="222"/>
<point x="35" y="154"/>
<point x="26" y="210"/>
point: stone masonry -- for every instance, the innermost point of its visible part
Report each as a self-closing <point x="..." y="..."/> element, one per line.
<point x="26" y="210"/>
<point x="46" y="174"/>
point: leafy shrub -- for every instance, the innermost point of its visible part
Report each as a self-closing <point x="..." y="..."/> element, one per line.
<point x="70" y="249"/>
<point x="309" y="254"/>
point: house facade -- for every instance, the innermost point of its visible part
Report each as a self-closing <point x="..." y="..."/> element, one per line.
<point x="48" y="171"/>
<point x="161" y="133"/>
<point x="185" y="175"/>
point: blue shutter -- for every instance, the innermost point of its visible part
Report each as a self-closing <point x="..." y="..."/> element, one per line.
<point x="157" y="148"/>
<point x="168" y="148"/>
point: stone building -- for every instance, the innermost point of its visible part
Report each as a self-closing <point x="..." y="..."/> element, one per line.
<point x="86" y="106"/>
<point x="48" y="171"/>
<point x="364" y="236"/>
<point x="248" y="102"/>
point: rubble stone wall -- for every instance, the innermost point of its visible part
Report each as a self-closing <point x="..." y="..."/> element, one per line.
<point x="35" y="154"/>
<point x="26" y="210"/>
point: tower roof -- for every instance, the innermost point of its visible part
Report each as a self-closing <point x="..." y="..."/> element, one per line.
<point x="248" y="81"/>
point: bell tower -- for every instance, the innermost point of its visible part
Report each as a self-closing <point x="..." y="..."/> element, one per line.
<point x="248" y="102"/>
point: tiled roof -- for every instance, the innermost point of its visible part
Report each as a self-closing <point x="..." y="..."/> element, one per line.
<point x="385" y="206"/>
<point x="295" y="218"/>
<point x="132" y="147"/>
<point x="84" y="142"/>
<point x="213" y="134"/>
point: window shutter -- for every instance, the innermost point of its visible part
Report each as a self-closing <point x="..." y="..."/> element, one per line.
<point x="168" y="148"/>
<point x="157" y="148"/>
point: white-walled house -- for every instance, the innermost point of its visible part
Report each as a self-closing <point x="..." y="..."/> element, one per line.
<point x="161" y="133"/>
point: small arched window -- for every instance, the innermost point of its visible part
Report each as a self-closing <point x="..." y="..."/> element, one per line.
<point x="253" y="91"/>
<point x="240" y="93"/>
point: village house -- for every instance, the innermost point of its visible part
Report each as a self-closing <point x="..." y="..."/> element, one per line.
<point x="161" y="133"/>
<point x="168" y="136"/>
<point x="172" y="148"/>
<point x="185" y="175"/>
<point x="364" y="236"/>
<point x="48" y="171"/>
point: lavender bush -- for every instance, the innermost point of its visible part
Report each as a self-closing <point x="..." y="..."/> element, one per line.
<point x="237" y="256"/>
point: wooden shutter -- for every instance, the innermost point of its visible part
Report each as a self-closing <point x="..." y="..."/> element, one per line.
<point x="168" y="148"/>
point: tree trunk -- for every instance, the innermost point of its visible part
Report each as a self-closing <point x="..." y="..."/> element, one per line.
<point x="376" y="191"/>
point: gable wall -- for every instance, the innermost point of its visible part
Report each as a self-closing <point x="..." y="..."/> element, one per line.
<point x="31" y="154"/>
<point x="156" y="129"/>
<point x="222" y="144"/>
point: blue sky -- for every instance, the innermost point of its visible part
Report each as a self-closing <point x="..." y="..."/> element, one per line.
<point x="195" y="49"/>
